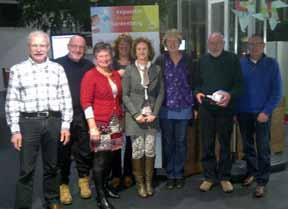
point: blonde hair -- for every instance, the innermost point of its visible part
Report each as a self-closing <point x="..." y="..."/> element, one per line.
<point x="172" y="33"/>
<point x="125" y="37"/>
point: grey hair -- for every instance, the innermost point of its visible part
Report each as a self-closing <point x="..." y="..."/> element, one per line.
<point x="172" y="33"/>
<point x="75" y="37"/>
<point x="38" y="33"/>
<point x="216" y="34"/>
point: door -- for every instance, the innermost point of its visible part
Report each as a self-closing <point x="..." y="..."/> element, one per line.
<point x="218" y="18"/>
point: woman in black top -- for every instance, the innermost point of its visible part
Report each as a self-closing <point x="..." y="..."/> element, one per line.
<point x="122" y="58"/>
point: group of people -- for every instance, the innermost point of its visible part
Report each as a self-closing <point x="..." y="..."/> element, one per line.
<point x="91" y="110"/>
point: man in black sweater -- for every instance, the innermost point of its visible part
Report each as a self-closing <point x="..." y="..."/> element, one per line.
<point x="219" y="82"/>
<point x="75" y="67"/>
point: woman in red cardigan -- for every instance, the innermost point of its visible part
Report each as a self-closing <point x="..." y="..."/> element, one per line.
<point x="101" y="94"/>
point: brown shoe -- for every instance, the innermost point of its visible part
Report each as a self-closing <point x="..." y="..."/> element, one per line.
<point x="84" y="188"/>
<point x="227" y="187"/>
<point x="55" y="206"/>
<point x="206" y="186"/>
<point x="248" y="181"/>
<point x="65" y="194"/>
<point x="115" y="182"/>
<point x="128" y="181"/>
<point x="259" y="191"/>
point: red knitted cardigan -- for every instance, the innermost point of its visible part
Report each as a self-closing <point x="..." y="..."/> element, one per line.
<point x="97" y="93"/>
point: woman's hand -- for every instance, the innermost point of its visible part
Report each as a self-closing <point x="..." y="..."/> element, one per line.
<point x="140" y="119"/>
<point x="150" y="118"/>
<point x="94" y="134"/>
<point x="121" y="72"/>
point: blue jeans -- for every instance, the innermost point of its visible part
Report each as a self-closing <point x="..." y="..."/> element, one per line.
<point x="252" y="131"/>
<point x="174" y="142"/>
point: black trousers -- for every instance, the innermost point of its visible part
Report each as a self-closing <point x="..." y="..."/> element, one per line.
<point x="257" y="157"/>
<point x="102" y="162"/>
<point x="79" y="147"/>
<point x="117" y="165"/>
<point x="38" y="133"/>
<point x="214" y="123"/>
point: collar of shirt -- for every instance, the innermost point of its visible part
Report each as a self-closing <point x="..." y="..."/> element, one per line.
<point x="43" y="64"/>
<point x="141" y="66"/>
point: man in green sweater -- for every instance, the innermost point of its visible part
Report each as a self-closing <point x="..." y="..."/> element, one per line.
<point x="219" y="82"/>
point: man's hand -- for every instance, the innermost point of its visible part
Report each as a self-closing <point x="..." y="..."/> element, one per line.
<point x="65" y="136"/>
<point x="200" y="97"/>
<point x="16" y="140"/>
<point x="225" y="99"/>
<point x="150" y="118"/>
<point x="262" y="117"/>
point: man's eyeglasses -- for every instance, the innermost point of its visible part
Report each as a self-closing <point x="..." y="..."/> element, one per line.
<point x="76" y="46"/>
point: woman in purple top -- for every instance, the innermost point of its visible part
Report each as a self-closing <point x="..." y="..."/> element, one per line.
<point x="176" y="110"/>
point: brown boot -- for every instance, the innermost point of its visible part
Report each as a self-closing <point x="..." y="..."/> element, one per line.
<point x="85" y="191"/>
<point x="138" y="172"/>
<point x="65" y="194"/>
<point x="149" y="168"/>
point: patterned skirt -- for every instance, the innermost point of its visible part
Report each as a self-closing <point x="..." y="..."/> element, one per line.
<point x="111" y="137"/>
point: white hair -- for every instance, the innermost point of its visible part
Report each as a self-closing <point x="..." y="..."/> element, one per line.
<point x="38" y="33"/>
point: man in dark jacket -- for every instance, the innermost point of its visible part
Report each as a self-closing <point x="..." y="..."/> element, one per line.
<point x="219" y="82"/>
<point x="262" y="82"/>
<point x="75" y="67"/>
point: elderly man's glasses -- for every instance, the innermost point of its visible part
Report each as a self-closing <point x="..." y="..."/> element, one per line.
<point x="256" y="44"/>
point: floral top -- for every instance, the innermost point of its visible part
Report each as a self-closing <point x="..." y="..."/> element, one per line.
<point x="178" y="92"/>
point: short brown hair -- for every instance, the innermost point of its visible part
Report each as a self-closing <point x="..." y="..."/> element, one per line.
<point x="102" y="46"/>
<point x="151" y="52"/>
<point x="125" y="37"/>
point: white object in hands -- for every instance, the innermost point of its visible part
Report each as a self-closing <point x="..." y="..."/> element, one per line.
<point x="146" y="108"/>
<point x="217" y="96"/>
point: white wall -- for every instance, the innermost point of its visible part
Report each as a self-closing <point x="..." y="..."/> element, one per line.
<point x="13" y="48"/>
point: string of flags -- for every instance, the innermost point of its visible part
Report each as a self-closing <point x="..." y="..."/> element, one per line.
<point x="244" y="10"/>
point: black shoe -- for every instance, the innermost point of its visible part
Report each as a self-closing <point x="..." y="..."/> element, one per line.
<point x="259" y="191"/>
<point x="179" y="183"/>
<point x="248" y="181"/>
<point x="103" y="203"/>
<point x="170" y="184"/>
<point x="110" y="192"/>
